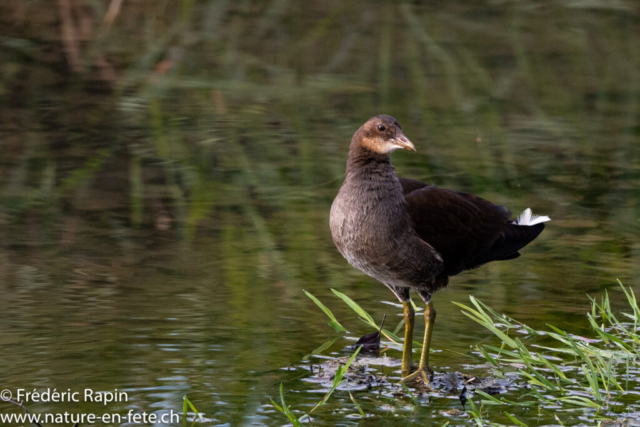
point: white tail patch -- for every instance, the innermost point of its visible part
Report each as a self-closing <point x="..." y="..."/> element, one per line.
<point x="528" y="218"/>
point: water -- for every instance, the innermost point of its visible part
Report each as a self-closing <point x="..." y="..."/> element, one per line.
<point x="163" y="207"/>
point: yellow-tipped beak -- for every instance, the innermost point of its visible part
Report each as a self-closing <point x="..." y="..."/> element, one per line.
<point x="403" y="142"/>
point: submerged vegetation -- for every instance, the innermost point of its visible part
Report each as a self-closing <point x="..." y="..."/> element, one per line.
<point x="559" y="377"/>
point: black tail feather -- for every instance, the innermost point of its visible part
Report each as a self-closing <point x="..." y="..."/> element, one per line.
<point x="514" y="238"/>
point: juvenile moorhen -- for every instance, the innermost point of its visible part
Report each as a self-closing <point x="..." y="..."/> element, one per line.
<point x="411" y="235"/>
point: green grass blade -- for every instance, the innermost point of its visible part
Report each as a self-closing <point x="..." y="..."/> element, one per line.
<point x="413" y="398"/>
<point x="579" y="401"/>
<point x="355" y="307"/>
<point x="333" y="322"/>
<point x="489" y="398"/>
<point x="480" y="310"/>
<point x="515" y="420"/>
<point x="193" y="408"/>
<point x="286" y="411"/>
<point x="357" y="406"/>
<point x="397" y="329"/>
<point x="474" y="314"/>
<point x="488" y="356"/>
<point x="337" y="380"/>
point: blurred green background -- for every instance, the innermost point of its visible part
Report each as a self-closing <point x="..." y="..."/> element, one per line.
<point x="167" y="169"/>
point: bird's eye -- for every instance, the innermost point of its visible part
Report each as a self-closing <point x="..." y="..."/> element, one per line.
<point x="381" y="128"/>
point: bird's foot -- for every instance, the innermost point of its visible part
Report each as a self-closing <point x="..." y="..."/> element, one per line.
<point x="423" y="373"/>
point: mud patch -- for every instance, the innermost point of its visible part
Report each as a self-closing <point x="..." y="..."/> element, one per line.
<point x="383" y="373"/>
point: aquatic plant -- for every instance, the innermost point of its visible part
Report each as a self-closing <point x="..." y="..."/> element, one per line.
<point x="563" y="368"/>
<point x="186" y="404"/>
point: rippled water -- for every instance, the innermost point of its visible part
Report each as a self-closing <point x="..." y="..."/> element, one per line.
<point x="165" y="200"/>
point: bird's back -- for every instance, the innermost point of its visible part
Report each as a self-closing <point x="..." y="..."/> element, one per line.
<point x="466" y="230"/>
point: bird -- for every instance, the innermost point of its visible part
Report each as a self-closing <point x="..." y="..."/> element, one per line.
<point x="410" y="235"/>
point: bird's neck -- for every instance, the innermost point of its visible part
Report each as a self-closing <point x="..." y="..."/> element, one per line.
<point x="363" y="162"/>
<point x="371" y="199"/>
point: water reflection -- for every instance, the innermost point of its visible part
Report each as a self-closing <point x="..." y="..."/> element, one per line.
<point x="167" y="175"/>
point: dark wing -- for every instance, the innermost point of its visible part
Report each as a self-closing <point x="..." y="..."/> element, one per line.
<point x="410" y="185"/>
<point x="466" y="230"/>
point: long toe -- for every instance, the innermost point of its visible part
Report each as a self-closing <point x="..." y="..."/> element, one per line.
<point x="425" y="377"/>
<point x="421" y="375"/>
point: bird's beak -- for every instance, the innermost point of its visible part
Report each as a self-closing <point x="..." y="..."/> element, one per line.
<point x="403" y="142"/>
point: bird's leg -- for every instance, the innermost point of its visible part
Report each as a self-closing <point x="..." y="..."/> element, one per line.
<point x="429" y="320"/>
<point x="407" y="351"/>
<point x="424" y="369"/>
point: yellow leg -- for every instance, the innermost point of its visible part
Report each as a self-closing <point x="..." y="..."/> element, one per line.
<point x="407" y="351"/>
<point x="429" y="320"/>
<point x="424" y="369"/>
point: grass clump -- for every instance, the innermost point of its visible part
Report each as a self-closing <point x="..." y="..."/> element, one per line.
<point x="563" y="369"/>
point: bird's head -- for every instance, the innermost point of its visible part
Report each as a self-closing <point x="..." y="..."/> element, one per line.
<point x="382" y="134"/>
